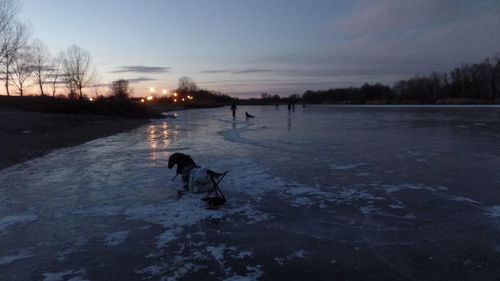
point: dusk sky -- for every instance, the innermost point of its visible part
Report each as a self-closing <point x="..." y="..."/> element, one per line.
<point x="244" y="48"/>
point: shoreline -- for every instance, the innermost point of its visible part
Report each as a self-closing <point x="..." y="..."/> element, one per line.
<point x="26" y="135"/>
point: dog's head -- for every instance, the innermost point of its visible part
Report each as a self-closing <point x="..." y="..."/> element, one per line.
<point x="181" y="160"/>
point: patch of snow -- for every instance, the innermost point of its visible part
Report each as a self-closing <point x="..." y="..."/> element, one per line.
<point x="255" y="272"/>
<point x="21" y="255"/>
<point x="244" y="254"/>
<point x="217" y="251"/>
<point x="59" y="276"/>
<point x="464" y="199"/>
<point x="116" y="238"/>
<point x="334" y="166"/>
<point x="366" y="210"/>
<point x="8" y="221"/>
<point x="493" y="211"/>
<point x="301" y="254"/>
<point x="151" y="270"/>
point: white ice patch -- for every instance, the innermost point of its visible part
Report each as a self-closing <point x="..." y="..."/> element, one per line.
<point x="302" y="202"/>
<point x="151" y="270"/>
<point x="464" y="199"/>
<point x="493" y="211"/>
<point x="116" y="238"/>
<point x="400" y="187"/>
<point x="299" y="254"/>
<point x="217" y="251"/>
<point x="8" y="221"/>
<point x="169" y="236"/>
<point x="366" y="210"/>
<point x="255" y="273"/>
<point x="243" y="254"/>
<point x="78" y="278"/>
<point x="335" y="166"/>
<point x="21" y="255"/>
<point x="59" y="276"/>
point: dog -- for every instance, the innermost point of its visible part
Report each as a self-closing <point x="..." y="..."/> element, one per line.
<point x="195" y="179"/>
<point x="249" y="115"/>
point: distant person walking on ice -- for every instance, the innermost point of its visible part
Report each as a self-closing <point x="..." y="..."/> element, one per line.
<point x="233" y="108"/>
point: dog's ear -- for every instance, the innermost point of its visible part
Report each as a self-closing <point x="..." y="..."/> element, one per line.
<point x="173" y="159"/>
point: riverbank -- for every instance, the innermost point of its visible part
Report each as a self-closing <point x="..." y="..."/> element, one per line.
<point x="26" y="135"/>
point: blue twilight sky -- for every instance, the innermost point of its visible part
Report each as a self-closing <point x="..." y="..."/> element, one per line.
<point x="244" y="48"/>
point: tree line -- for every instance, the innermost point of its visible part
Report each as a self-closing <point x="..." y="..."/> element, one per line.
<point x="26" y="62"/>
<point x="477" y="83"/>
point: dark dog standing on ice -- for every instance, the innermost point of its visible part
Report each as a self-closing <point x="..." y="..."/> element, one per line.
<point x="194" y="177"/>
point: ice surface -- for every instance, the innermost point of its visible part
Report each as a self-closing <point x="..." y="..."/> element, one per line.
<point x="23" y="254"/>
<point x="313" y="193"/>
<point x="116" y="238"/>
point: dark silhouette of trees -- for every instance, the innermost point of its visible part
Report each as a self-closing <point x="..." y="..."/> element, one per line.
<point x="42" y="67"/>
<point x="22" y="69"/>
<point x="76" y="65"/>
<point x="120" y="89"/>
<point x="13" y="38"/>
<point x="186" y="85"/>
<point x="55" y="72"/>
<point x="478" y="83"/>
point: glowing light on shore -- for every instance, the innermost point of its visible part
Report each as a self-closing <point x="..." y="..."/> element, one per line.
<point x="149" y="98"/>
<point x="142" y="100"/>
<point x="183" y="99"/>
<point x="164" y="91"/>
<point x="175" y="100"/>
<point x="91" y="99"/>
<point x="152" y="89"/>
<point x="175" y="94"/>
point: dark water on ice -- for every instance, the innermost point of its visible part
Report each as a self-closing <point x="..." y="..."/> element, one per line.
<point x="319" y="193"/>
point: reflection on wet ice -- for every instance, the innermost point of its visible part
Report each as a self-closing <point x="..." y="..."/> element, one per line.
<point x="158" y="135"/>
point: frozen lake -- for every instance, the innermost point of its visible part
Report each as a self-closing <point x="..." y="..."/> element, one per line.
<point x="319" y="193"/>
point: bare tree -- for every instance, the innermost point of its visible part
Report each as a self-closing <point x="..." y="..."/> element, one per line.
<point x="8" y="12"/>
<point x="14" y="37"/>
<point x="96" y="84"/>
<point x="187" y="85"/>
<point x="76" y="69"/>
<point x="55" y="72"/>
<point x="22" y="69"/>
<point x="42" y="67"/>
<point x="120" y="89"/>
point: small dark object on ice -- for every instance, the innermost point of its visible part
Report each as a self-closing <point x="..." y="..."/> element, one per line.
<point x="249" y="115"/>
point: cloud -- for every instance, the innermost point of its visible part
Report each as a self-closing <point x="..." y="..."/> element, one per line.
<point x="396" y="15"/>
<point x="140" y="79"/>
<point x="215" y="71"/>
<point x="394" y="38"/>
<point x="253" y="70"/>
<point x="142" y="69"/>
<point x="421" y="34"/>
<point x="249" y="71"/>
